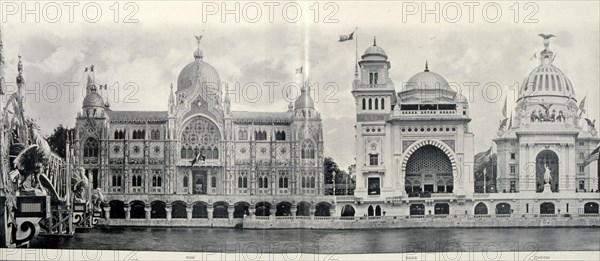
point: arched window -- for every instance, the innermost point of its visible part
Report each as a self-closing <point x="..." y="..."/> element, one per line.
<point x="190" y="153"/>
<point x="370" y="104"/>
<point x="90" y="148"/>
<point x="312" y="182"/>
<point x="376" y="104"/>
<point x="382" y="104"/>
<point x="364" y="104"/>
<point x="114" y="180"/>
<point x="303" y="182"/>
<point x="159" y="181"/>
<point x="215" y="153"/>
<point x="185" y="181"/>
<point x="183" y="154"/>
<point x="280" y="135"/>
<point x="263" y="182"/>
<point x="154" y="181"/>
<point x="308" y="150"/>
<point x="213" y="182"/>
<point x="139" y="180"/>
<point x="116" y="134"/>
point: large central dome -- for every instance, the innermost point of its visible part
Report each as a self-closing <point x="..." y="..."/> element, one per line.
<point x="195" y="71"/>
<point x="426" y="81"/>
<point x="546" y="80"/>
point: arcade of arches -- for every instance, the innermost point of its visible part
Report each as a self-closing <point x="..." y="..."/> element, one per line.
<point x="428" y="170"/>
<point x="181" y="210"/>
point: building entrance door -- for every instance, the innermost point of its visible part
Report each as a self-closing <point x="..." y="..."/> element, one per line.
<point x="200" y="181"/>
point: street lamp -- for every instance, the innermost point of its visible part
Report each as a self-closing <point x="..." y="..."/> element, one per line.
<point x="484" y="185"/>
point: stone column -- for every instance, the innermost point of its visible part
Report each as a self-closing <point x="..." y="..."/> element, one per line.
<point x="148" y="210"/>
<point x="127" y="212"/>
<point x="294" y="209"/>
<point x="107" y="213"/>
<point x="168" y="208"/>
<point x="189" y="210"/>
<point x="230" y="210"/>
<point x="273" y="210"/>
<point x="210" y="209"/>
<point x="312" y="210"/>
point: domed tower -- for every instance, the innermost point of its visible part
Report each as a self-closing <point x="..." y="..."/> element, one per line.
<point x="434" y="144"/>
<point x="93" y="103"/>
<point x="546" y="134"/>
<point x="375" y="97"/>
<point x="304" y="107"/>
<point x="199" y="88"/>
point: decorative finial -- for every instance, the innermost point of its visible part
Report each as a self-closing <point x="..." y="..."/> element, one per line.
<point x="171" y="86"/>
<point x="374" y="40"/>
<point x="546" y="39"/>
<point x="426" y="66"/>
<point x="198" y="52"/>
<point x="546" y="56"/>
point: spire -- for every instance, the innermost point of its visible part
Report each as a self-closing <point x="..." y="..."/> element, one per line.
<point x="171" y="100"/>
<point x="374" y="40"/>
<point x="20" y="78"/>
<point x="426" y="66"/>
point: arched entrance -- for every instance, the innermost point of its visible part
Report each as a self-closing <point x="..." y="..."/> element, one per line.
<point x="503" y="208"/>
<point x="547" y="208"/>
<point x="370" y="211"/>
<point x="481" y="209"/>
<point x="178" y="210"/>
<point x="284" y="209"/>
<point x="303" y="209"/>
<point x="347" y="211"/>
<point x="417" y="209"/>
<point x="322" y="209"/>
<point x="428" y="170"/>
<point x="220" y="210"/>
<point x="263" y="209"/>
<point x="547" y="158"/>
<point x="442" y="209"/>
<point x="117" y="209"/>
<point x="137" y="210"/>
<point x="588" y="208"/>
<point x="158" y="210"/>
<point x="200" y="210"/>
<point x="241" y="209"/>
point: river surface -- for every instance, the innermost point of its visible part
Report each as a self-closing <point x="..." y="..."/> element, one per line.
<point x="328" y="241"/>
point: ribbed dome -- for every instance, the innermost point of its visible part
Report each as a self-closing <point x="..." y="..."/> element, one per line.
<point x="93" y="99"/>
<point x="374" y="52"/>
<point x="426" y="81"/>
<point x="546" y="80"/>
<point x="195" y="70"/>
<point x="304" y="101"/>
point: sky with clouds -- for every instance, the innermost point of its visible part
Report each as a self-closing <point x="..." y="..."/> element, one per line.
<point x="140" y="60"/>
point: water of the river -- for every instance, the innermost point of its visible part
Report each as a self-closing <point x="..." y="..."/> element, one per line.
<point x="328" y="241"/>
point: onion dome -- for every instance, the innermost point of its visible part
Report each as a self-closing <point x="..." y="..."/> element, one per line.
<point x="374" y="52"/>
<point x="93" y="99"/>
<point x="304" y="101"/>
<point x="198" y="69"/>
<point x="546" y="79"/>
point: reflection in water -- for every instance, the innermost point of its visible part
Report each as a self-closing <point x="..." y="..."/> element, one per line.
<point x="328" y="241"/>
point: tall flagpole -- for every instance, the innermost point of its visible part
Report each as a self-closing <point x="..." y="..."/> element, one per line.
<point x="356" y="57"/>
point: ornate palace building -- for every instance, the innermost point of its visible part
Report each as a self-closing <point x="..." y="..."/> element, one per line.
<point x="415" y="149"/>
<point x="248" y="163"/>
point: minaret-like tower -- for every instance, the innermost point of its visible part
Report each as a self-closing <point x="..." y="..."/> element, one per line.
<point x="375" y="98"/>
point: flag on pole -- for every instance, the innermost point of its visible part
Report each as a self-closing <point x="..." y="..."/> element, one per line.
<point x="91" y="68"/>
<point x="299" y="70"/>
<point x="582" y="106"/>
<point x="199" y="157"/>
<point x="592" y="157"/>
<point x="510" y="121"/>
<point x="348" y="37"/>
<point x="504" y="109"/>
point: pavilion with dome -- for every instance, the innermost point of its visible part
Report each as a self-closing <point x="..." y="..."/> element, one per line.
<point x="415" y="149"/>
<point x="247" y="163"/>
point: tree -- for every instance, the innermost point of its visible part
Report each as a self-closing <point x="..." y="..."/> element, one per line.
<point x="58" y="141"/>
<point x="329" y="167"/>
<point x="343" y="180"/>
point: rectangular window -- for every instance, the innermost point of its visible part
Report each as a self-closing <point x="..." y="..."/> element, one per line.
<point x="374" y="159"/>
<point x="373" y="77"/>
<point x="374" y="186"/>
<point x="513" y="169"/>
<point x="581" y="169"/>
<point x="513" y="156"/>
<point x="581" y="155"/>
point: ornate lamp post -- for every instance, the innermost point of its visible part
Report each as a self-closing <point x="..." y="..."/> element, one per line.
<point x="333" y="178"/>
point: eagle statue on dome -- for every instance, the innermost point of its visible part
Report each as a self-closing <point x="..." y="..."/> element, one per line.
<point x="591" y="126"/>
<point x="546" y="39"/>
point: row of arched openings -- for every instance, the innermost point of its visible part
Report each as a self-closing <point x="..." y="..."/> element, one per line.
<point x="373" y="104"/>
<point x="208" y="153"/>
<point x="220" y="209"/>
